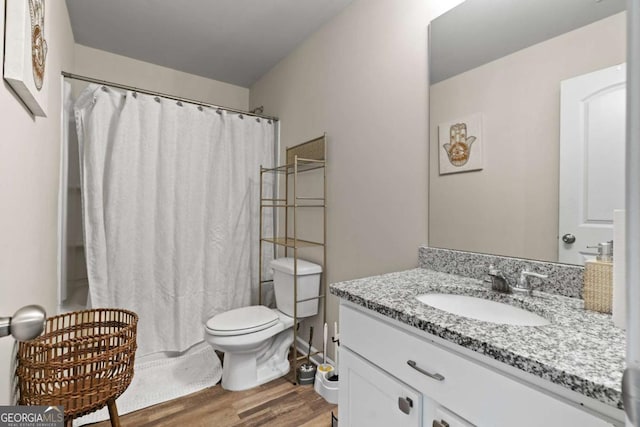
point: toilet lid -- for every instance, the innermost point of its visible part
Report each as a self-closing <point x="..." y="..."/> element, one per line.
<point x="242" y="321"/>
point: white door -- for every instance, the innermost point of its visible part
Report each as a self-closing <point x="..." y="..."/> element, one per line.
<point x="592" y="147"/>
<point x="370" y="397"/>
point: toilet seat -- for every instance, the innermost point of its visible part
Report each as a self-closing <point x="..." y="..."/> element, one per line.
<point x="241" y="321"/>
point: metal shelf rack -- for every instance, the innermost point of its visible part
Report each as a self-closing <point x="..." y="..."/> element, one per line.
<point x="305" y="157"/>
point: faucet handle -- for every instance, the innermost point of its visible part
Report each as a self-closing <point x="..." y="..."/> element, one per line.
<point x="493" y="271"/>
<point x="523" y="284"/>
<point x="526" y="273"/>
<point x="524" y="277"/>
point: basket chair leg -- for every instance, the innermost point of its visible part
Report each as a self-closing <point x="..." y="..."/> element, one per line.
<point x="113" y="413"/>
<point x="68" y="422"/>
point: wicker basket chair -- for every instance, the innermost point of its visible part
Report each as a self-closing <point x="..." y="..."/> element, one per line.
<point x="83" y="361"/>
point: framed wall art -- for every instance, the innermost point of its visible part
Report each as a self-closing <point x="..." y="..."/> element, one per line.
<point x="25" y="52"/>
<point x="460" y="145"/>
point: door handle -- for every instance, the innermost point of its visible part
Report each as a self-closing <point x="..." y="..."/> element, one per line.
<point x="415" y="366"/>
<point x="569" y="238"/>
<point x="441" y="423"/>
<point x="405" y="404"/>
<point x="26" y="324"/>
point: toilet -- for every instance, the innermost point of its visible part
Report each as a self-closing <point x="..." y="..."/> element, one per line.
<point x="256" y="339"/>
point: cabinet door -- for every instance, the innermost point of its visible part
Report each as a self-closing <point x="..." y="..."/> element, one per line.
<point x="370" y="397"/>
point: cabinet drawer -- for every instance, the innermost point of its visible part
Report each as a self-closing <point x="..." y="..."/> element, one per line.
<point x="369" y="397"/>
<point x="475" y="392"/>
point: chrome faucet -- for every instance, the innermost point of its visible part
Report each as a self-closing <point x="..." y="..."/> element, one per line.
<point x="498" y="281"/>
<point x="524" y="288"/>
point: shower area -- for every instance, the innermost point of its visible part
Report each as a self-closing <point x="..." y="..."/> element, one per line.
<point x="159" y="214"/>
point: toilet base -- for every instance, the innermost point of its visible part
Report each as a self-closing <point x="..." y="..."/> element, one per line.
<point x="242" y="371"/>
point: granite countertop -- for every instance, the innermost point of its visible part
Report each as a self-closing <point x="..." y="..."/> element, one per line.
<point x="580" y="350"/>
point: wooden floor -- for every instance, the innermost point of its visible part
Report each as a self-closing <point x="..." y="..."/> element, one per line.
<point x="277" y="403"/>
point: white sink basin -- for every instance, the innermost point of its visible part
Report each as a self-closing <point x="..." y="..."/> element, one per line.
<point x="482" y="309"/>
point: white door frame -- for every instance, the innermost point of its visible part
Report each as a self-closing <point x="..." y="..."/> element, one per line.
<point x="632" y="196"/>
<point x="65" y="88"/>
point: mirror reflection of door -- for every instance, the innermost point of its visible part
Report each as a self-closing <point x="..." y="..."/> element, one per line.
<point x="592" y="160"/>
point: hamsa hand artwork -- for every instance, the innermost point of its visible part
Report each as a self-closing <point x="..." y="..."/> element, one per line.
<point x="461" y="145"/>
<point x="25" y="53"/>
<point x="38" y="43"/>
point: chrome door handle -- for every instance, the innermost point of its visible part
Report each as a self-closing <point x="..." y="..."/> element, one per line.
<point x="569" y="238"/>
<point x="441" y="423"/>
<point x="405" y="404"/>
<point x="435" y="376"/>
<point x="26" y="324"/>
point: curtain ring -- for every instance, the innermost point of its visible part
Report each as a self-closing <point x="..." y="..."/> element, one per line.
<point x="179" y="103"/>
<point x="105" y="89"/>
<point x="219" y="111"/>
<point x="258" y="119"/>
<point x="241" y="116"/>
<point x="269" y="121"/>
<point x="156" y="99"/>
<point x="134" y="94"/>
<point x="200" y="108"/>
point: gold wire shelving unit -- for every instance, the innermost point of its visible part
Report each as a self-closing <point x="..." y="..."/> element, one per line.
<point x="305" y="157"/>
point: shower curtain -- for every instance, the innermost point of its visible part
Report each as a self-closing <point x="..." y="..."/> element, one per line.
<point x="170" y="196"/>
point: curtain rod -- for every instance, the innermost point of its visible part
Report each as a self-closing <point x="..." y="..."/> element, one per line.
<point x="163" y="95"/>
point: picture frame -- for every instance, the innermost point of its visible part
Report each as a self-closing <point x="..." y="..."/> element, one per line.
<point x="460" y="145"/>
<point x="26" y="53"/>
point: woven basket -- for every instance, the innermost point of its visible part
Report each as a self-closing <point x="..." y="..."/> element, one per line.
<point x="598" y="286"/>
<point x="83" y="361"/>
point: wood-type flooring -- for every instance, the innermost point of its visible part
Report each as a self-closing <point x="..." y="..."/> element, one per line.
<point x="277" y="403"/>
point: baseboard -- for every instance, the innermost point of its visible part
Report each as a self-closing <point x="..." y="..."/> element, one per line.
<point x="303" y="347"/>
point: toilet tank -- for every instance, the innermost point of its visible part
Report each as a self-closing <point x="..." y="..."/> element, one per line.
<point x="308" y="286"/>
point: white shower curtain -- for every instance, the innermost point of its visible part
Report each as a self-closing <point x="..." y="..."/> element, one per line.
<point x="171" y="210"/>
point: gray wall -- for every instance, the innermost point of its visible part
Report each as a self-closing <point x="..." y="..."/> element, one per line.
<point x="362" y="78"/>
<point x="29" y="173"/>
<point x="108" y="66"/>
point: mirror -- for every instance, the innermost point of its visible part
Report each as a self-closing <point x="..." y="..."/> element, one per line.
<point x="520" y="138"/>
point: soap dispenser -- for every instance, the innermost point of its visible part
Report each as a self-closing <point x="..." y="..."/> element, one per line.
<point x="598" y="279"/>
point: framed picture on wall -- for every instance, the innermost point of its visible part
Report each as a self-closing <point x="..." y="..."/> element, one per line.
<point x="25" y="52"/>
<point x="460" y="145"/>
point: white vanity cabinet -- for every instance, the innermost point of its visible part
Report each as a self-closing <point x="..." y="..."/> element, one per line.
<point x="381" y="364"/>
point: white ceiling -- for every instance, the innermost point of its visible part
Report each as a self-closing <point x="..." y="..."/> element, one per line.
<point x="480" y="31"/>
<point x="235" y="41"/>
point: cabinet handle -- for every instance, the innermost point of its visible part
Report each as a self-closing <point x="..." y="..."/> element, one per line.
<point x="441" y="423"/>
<point x="435" y="376"/>
<point x="405" y="404"/>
